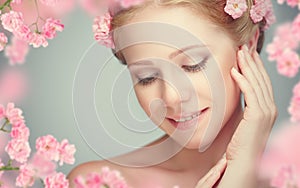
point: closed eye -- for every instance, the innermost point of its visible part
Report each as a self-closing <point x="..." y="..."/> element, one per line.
<point x="197" y="67"/>
<point x="148" y="80"/>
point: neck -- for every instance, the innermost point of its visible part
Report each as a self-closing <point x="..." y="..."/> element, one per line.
<point x="202" y="162"/>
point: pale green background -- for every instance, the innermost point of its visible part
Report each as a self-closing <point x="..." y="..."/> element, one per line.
<point x="48" y="104"/>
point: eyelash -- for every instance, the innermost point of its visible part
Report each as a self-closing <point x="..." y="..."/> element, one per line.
<point x="188" y="68"/>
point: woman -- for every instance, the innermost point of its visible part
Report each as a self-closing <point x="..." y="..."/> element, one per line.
<point x="190" y="60"/>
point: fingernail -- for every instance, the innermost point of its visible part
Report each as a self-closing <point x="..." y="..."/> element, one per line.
<point x="234" y="70"/>
<point x="241" y="54"/>
<point x="245" y="47"/>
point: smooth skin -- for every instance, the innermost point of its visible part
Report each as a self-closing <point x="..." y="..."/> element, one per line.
<point x="232" y="159"/>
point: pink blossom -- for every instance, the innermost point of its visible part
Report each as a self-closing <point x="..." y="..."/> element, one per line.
<point x="1" y="165"/>
<point x="17" y="51"/>
<point x="23" y="32"/>
<point x="129" y="3"/>
<point x="48" y="146"/>
<point x="66" y="152"/>
<point x="18" y="150"/>
<point x="270" y="15"/>
<point x="13" y="114"/>
<point x="3" y="41"/>
<point x="235" y="8"/>
<point x="20" y="131"/>
<point x="93" y="180"/>
<point x="285" y="178"/>
<point x="57" y="180"/>
<point x="42" y="166"/>
<point x="294" y="108"/>
<point x="112" y="178"/>
<point x="37" y="40"/>
<point x="101" y="29"/>
<point x="17" y="1"/>
<point x="288" y="63"/>
<point x="50" y="28"/>
<point x="26" y="176"/>
<point x="12" y="20"/>
<point x="258" y="11"/>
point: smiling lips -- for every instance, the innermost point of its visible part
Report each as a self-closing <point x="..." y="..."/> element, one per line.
<point x="184" y="123"/>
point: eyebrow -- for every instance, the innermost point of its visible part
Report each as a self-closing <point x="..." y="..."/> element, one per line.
<point x="181" y="51"/>
<point x="171" y="56"/>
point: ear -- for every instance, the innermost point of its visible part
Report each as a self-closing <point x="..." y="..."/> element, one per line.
<point x="252" y="43"/>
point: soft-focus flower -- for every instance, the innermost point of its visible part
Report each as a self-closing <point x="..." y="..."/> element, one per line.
<point x="42" y="165"/>
<point x="17" y="1"/>
<point x="293" y="3"/>
<point x="270" y="15"/>
<point x="20" y="131"/>
<point x="112" y="178"/>
<point x="13" y="114"/>
<point x="101" y="29"/>
<point x="23" y="32"/>
<point x="235" y="8"/>
<point x="288" y="63"/>
<point x="17" y="51"/>
<point x="92" y="180"/>
<point x="294" y="108"/>
<point x="50" y="28"/>
<point x="1" y="165"/>
<point x="129" y="3"/>
<point x="93" y="7"/>
<point x="258" y="11"/>
<point x="57" y="180"/>
<point x="48" y="146"/>
<point x="12" y="20"/>
<point x="3" y="41"/>
<point x="26" y="176"/>
<point x="38" y="40"/>
<point x="285" y="178"/>
<point x="66" y="152"/>
<point x="18" y="150"/>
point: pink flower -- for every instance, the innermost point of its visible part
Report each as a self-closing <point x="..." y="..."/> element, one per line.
<point x="20" y="131"/>
<point x="101" y="29"/>
<point x="57" y="180"/>
<point x="17" y="1"/>
<point x="93" y="180"/>
<point x="112" y="178"/>
<point x="270" y="16"/>
<point x="3" y="41"/>
<point x="285" y="178"/>
<point x="14" y="115"/>
<point x="37" y="40"/>
<point x="66" y="152"/>
<point x="48" y="146"/>
<point x="23" y="32"/>
<point x="235" y="8"/>
<point x="50" y="28"/>
<point x="258" y="11"/>
<point x="26" y="177"/>
<point x="17" y="51"/>
<point x="294" y="108"/>
<point x="18" y="150"/>
<point x="42" y="166"/>
<point x="129" y="3"/>
<point x="1" y="165"/>
<point x="12" y="20"/>
<point x="288" y="63"/>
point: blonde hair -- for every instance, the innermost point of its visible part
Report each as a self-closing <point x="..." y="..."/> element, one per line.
<point x="240" y="30"/>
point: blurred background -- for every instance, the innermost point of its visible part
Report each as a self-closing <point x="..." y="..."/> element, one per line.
<point x="43" y="86"/>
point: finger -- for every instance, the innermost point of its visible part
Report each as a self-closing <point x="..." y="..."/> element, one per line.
<point x="244" y="85"/>
<point x="264" y="73"/>
<point x="244" y="62"/>
<point x="260" y="84"/>
<point x="213" y="175"/>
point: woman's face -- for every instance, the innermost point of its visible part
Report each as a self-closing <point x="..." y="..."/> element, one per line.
<point x="188" y="92"/>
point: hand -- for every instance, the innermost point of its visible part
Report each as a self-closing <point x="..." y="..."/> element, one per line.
<point x="213" y="175"/>
<point x="249" y="140"/>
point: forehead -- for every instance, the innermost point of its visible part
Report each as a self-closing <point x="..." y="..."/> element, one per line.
<point x="154" y="28"/>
